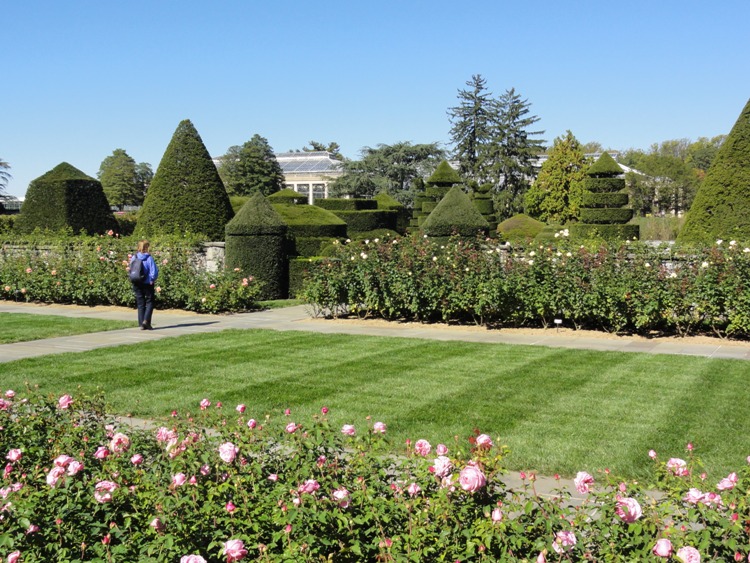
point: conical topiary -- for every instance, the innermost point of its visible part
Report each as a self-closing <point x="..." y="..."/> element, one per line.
<point x="604" y="167"/>
<point x="65" y="197"/>
<point x="721" y="209"/>
<point x="256" y="244"/>
<point x="455" y="215"/>
<point x="186" y="194"/>
<point x="444" y="176"/>
<point x="436" y="186"/>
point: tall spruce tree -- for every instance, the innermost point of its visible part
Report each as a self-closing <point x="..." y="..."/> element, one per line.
<point x="471" y="128"/>
<point x="186" y="194"/>
<point x="555" y="196"/>
<point x="251" y="168"/>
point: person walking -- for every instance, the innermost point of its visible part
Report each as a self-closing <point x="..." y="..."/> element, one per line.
<point x="143" y="284"/>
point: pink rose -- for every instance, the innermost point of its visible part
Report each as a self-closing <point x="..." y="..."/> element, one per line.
<point x="414" y="490"/>
<point x="628" y="510"/>
<point x="564" y="541"/>
<point x="291" y="428"/>
<point x="497" y="515"/>
<point x="309" y="486"/>
<point x="64" y="402"/>
<point x="693" y="496"/>
<point x="74" y="467"/>
<point x="192" y="559"/>
<point x="62" y="460"/>
<point x="157" y="524"/>
<point x="379" y="428"/>
<point x="441" y="449"/>
<point x="55" y="474"/>
<point x="252" y="423"/>
<point x="230" y="507"/>
<point x="119" y="443"/>
<point x="240" y="408"/>
<point x="14" y="557"/>
<point x="677" y="466"/>
<point x="652" y="454"/>
<point x="179" y="480"/>
<point x="471" y="478"/>
<point x="728" y="482"/>
<point x="688" y="554"/>
<point x="348" y="429"/>
<point x="484" y="441"/>
<point x="583" y="481"/>
<point x="663" y="548"/>
<point x="443" y="466"/>
<point x="341" y="496"/>
<point x="234" y="550"/>
<point x="204" y="404"/>
<point x="137" y="459"/>
<point x="324" y="410"/>
<point x="9" y="394"/>
<point x="712" y="499"/>
<point x="165" y="434"/>
<point x="101" y="452"/>
<point x="228" y="451"/>
<point x="14" y="455"/>
<point x="423" y="448"/>
<point x="541" y="557"/>
<point x="103" y="491"/>
<point x="273" y="477"/>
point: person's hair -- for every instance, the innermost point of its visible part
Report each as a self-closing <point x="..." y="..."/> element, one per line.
<point x="143" y="245"/>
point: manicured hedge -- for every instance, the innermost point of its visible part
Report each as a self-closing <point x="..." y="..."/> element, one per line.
<point x="591" y="199"/>
<point x="299" y="270"/>
<point x="311" y="221"/>
<point x="64" y="198"/>
<point x="444" y="175"/>
<point x="604" y="167"/>
<point x="429" y="206"/>
<point x="379" y="234"/>
<point x="601" y="215"/>
<point x="288" y="196"/>
<point x="455" y="214"/>
<point x="519" y="229"/>
<point x="484" y="205"/>
<point x="308" y="246"/>
<point x="604" y="185"/>
<point x="336" y="204"/>
<point x="403" y="215"/>
<point x="592" y="231"/>
<point x="368" y="220"/>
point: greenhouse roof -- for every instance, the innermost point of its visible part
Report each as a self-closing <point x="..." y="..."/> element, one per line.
<point x="307" y="162"/>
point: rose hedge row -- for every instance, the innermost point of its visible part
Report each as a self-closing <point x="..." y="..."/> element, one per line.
<point x="634" y="288"/>
<point x="218" y="485"/>
<point x="93" y="271"/>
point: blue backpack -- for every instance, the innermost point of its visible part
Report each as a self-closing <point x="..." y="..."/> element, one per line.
<point x="138" y="272"/>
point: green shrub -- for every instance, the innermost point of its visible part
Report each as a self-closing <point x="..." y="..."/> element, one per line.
<point x="7" y="223"/>
<point x="548" y="234"/>
<point x="342" y="204"/>
<point x="591" y="199"/>
<point x="455" y="214"/>
<point x="126" y="223"/>
<point x="308" y="246"/>
<point x="288" y="196"/>
<point x="721" y="209"/>
<point x="659" y="228"/>
<point x="378" y="234"/>
<point x="299" y="272"/>
<point x="237" y="201"/>
<point x="519" y="229"/>
<point x="444" y="176"/>
<point x="403" y="215"/>
<point x="64" y="198"/>
<point x="604" y="185"/>
<point x="601" y="215"/>
<point x="611" y="233"/>
<point x="186" y="194"/>
<point x="428" y="206"/>
<point x="604" y="167"/>
<point x="256" y="245"/>
<point x="311" y="221"/>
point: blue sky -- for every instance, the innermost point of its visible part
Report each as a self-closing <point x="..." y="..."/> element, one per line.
<point x="82" y="78"/>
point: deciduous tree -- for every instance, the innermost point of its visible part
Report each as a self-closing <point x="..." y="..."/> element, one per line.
<point x="251" y="167"/>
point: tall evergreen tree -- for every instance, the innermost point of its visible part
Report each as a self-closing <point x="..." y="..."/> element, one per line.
<point x="117" y="173"/>
<point x="251" y="168"/>
<point x="471" y="128"/>
<point x="186" y="194"/>
<point x="555" y="196"/>
<point x="512" y="151"/>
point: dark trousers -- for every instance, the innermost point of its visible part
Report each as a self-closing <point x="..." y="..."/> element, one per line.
<point x="144" y="300"/>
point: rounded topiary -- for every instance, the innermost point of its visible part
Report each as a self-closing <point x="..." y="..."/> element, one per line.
<point x="256" y="243"/>
<point x="288" y="196"/>
<point x="186" y="194"/>
<point x="455" y="214"/>
<point x="63" y="198"/>
<point x="519" y="229"/>
<point x="721" y="209"/>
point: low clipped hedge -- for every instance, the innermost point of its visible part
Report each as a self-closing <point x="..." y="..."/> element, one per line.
<point x="604" y="185"/>
<point x="604" y="215"/>
<point x="308" y="246"/>
<point x="288" y="196"/>
<point x="519" y="229"/>
<point x="429" y="206"/>
<point x="436" y="192"/>
<point x="581" y="231"/>
<point x="605" y="199"/>
<point x="342" y="204"/>
<point x="368" y="219"/>
<point x="378" y="234"/>
<point x="484" y="204"/>
<point x="299" y="271"/>
<point x="311" y="221"/>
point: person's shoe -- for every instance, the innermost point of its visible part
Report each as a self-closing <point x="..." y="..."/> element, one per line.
<point x="146" y="326"/>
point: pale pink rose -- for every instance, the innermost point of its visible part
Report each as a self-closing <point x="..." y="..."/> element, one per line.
<point x="228" y="452"/>
<point x="273" y="477"/>
<point x="192" y="559"/>
<point x="55" y="474"/>
<point x="252" y="423"/>
<point x="484" y="441"/>
<point x="712" y="499"/>
<point x="564" y="541"/>
<point x="583" y="482"/>
<point x="101" y="452"/>
<point x="240" y="408"/>
<point x="663" y="548"/>
<point x="341" y="496"/>
<point x="62" y="460"/>
<point x="205" y="469"/>
<point x="64" y="402"/>
<point x="14" y="557"/>
<point x="423" y="448"/>
<point x="157" y="524"/>
<point x="693" y="496"/>
<point x="4" y="405"/>
<point x="32" y="529"/>
<point x="414" y="489"/>
<point x="628" y="510"/>
<point x="204" y="404"/>
<point x="179" y="479"/>
<point x="652" y="454"/>
<point x="348" y="429"/>
<point x="728" y="482"/>
<point x="541" y="558"/>
<point x="471" y="478"/>
<point x="287" y="412"/>
<point x="309" y="486"/>
<point x="379" y="428"/>
<point x="443" y="466"/>
<point x="441" y="449"/>
<point x="291" y="428"/>
<point x="75" y="467"/>
<point x="9" y="394"/>
<point x="677" y="466"/>
<point x="119" y="443"/>
<point x="688" y="554"/>
<point x="14" y="455"/>
<point x="234" y="550"/>
<point x="165" y="434"/>
<point x="137" y="459"/>
<point x="103" y="491"/>
<point x="497" y="515"/>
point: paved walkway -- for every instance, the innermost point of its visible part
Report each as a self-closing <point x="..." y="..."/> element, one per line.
<point x="177" y="323"/>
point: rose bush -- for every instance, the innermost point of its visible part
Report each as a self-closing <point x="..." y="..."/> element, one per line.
<point x="208" y="487"/>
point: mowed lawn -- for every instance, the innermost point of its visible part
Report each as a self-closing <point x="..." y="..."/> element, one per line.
<point x="558" y="410"/>
<point x="22" y="327"/>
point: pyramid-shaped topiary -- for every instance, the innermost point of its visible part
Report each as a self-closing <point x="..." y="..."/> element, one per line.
<point x="66" y="197"/>
<point x="256" y="244"/>
<point x="436" y="186"/>
<point x="186" y="194"/>
<point x="444" y="176"/>
<point x="455" y="214"/>
<point x="721" y="209"/>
